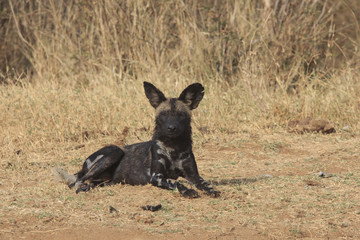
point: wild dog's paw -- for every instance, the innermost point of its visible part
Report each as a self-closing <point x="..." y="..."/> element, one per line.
<point x="213" y="193"/>
<point x="83" y="188"/>
<point x="190" y="193"/>
<point x="186" y="192"/>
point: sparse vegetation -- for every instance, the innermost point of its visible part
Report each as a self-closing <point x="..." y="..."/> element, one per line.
<point x="71" y="76"/>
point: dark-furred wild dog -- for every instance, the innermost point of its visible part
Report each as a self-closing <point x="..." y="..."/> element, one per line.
<point x="167" y="156"/>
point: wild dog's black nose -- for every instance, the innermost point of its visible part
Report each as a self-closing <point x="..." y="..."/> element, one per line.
<point x="171" y="128"/>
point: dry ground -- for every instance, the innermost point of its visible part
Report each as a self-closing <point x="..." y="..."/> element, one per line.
<point x="269" y="183"/>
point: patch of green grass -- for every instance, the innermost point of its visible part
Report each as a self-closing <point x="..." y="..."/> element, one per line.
<point x="69" y="198"/>
<point x="164" y="231"/>
<point x="98" y="206"/>
<point x="43" y="215"/>
<point x="297" y="232"/>
<point x="273" y="147"/>
<point x="214" y="202"/>
<point x="110" y="192"/>
<point x="311" y="159"/>
<point x="76" y="161"/>
<point x="212" y="228"/>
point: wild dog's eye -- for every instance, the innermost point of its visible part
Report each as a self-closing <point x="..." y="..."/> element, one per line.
<point x="182" y="114"/>
<point x="162" y="116"/>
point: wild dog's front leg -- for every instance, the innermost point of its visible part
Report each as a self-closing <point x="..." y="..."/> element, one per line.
<point x="159" y="180"/>
<point x="186" y="192"/>
<point x="201" y="184"/>
<point x="192" y="175"/>
<point x="163" y="170"/>
<point x="207" y="187"/>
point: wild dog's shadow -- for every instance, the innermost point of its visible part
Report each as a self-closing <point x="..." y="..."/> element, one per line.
<point x="236" y="181"/>
<point x="240" y="181"/>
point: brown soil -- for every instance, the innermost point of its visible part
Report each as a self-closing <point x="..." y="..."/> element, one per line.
<point x="269" y="183"/>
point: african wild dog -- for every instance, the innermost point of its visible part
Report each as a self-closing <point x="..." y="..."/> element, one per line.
<point x="167" y="156"/>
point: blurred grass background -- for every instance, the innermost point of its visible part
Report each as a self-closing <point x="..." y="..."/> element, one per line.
<point x="283" y="43"/>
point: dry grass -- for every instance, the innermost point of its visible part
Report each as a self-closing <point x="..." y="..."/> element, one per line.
<point x="254" y="55"/>
<point x="293" y="203"/>
<point x="44" y="125"/>
<point x="204" y="39"/>
<point x="71" y="81"/>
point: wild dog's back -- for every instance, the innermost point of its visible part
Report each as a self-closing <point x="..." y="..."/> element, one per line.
<point x="135" y="165"/>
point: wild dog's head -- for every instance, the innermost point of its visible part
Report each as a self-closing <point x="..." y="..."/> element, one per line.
<point x="173" y="115"/>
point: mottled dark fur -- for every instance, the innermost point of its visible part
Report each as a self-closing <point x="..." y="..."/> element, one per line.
<point x="166" y="157"/>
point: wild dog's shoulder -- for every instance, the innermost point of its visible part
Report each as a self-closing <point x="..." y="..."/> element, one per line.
<point x="170" y="153"/>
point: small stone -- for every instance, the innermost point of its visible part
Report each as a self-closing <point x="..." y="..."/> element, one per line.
<point x="112" y="209"/>
<point x="151" y="208"/>
<point x="324" y="175"/>
<point x="346" y="128"/>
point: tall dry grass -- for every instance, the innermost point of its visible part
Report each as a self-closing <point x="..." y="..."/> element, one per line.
<point x="71" y="71"/>
<point x="282" y="40"/>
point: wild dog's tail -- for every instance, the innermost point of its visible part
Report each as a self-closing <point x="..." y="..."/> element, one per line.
<point x="62" y="176"/>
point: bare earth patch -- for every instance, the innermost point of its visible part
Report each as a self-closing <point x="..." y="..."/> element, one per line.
<point x="270" y="184"/>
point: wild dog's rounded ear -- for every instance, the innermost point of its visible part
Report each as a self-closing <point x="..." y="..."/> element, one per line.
<point x="192" y="95"/>
<point x="154" y="95"/>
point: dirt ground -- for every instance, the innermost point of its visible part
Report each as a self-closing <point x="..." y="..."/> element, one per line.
<point x="270" y="183"/>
